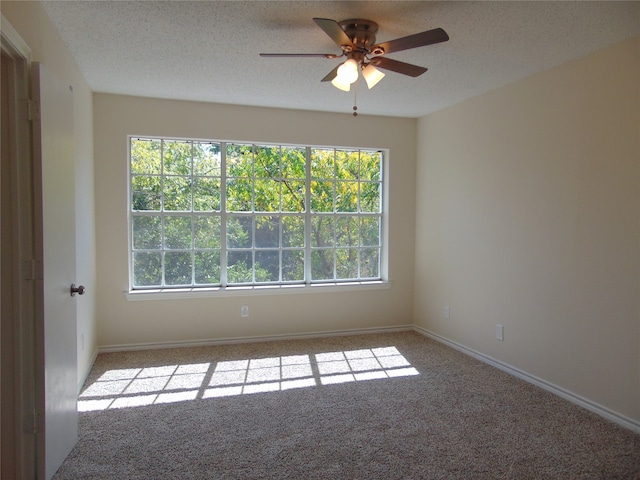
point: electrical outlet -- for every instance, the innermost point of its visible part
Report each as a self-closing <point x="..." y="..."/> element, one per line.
<point x="244" y="311"/>
<point x="499" y="332"/>
<point x="447" y="312"/>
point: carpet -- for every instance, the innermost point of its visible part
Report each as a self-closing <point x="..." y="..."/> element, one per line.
<point x="378" y="406"/>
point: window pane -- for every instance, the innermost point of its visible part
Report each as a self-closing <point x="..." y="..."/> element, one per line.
<point x="145" y="192"/>
<point x="239" y="195"/>
<point x="370" y="263"/>
<point x="177" y="158"/>
<point x="267" y="231"/>
<point x="347" y="231"/>
<point x="206" y="194"/>
<point x="177" y="268"/>
<point x="293" y="196"/>
<point x="322" y="265"/>
<point x="267" y="162"/>
<point x="207" y="267"/>
<point x="370" y="166"/>
<point x="370" y="231"/>
<point x="145" y="156"/>
<point x="370" y="197"/>
<point x="293" y="231"/>
<point x="347" y="197"/>
<point x="347" y="165"/>
<point x="322" y="231"/>
<point x="322" y="196"/>
<point x="206" y="159"/>
<point x="239" y="161"/>
<point x="239" y="267"/>
<point x="177" y="232"/>
<point x="147" y="232"/>
<point x="177" y="194"/>
<point x="267" y="266"/>
<point x="292" y="265"/>
<point x="147" y="269"/>
<point x="267" y="196"/>
<point x="206" y="231"/>
<point x="239" y="232"/>
<point x="294" y="162"/>
<point x="322" y="165"/>
<point x="346" y="263"/>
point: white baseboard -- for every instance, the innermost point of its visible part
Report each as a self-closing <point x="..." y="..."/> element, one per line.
<point x="561" y="392"/>
<point x="252" y="339"/>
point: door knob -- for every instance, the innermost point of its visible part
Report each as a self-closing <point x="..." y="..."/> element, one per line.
<point x="79" y="289"/>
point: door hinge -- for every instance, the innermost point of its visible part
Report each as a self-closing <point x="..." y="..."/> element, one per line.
<point x="32" y="109"/>
<point x="31" y="270"/>
<point x="31" y="423"/>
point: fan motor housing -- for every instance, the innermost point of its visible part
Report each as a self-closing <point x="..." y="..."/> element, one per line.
<point x="361" y="32"/>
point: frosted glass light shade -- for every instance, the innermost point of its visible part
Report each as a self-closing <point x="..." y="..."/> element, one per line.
<point x="348" y="71"/>
<point x="372" y="75"/>
<point x="336" y="82"/>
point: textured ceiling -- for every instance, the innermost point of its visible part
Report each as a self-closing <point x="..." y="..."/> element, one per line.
<point x="209" y="50"/>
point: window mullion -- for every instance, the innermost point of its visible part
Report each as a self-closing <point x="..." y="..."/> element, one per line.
<point x="359" y="218"/>
<point x="223" y="214"/>
<point x="280" y="183"/>
<point x="307" y="219"/>
<point x="191" y="216"/>
<point x="334" y="216"/>
<point x="162" y="242"/>
<point x="252" y="245"/>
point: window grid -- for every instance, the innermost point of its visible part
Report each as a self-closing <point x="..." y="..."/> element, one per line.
<point x="329" y="250"/>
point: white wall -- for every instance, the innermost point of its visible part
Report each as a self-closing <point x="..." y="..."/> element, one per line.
<point x="124" y="322"/>
<point x="528" y="215"/>
<point x="34" y="26"/>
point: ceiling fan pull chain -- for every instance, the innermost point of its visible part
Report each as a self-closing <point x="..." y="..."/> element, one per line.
<point x="355" y="98"/>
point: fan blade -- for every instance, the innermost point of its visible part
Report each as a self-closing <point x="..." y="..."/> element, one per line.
<point x="331" y="75"/>
<point x="287" y="55"/>
<point x="335" y="32"/>
<point x="429" y="37"/>
<point x="397" y="66"/>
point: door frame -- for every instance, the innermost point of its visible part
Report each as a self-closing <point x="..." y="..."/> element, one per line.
<point x="22" y="454"/>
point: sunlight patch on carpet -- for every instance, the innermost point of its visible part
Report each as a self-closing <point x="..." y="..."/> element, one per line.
<point x="134" y="387"/>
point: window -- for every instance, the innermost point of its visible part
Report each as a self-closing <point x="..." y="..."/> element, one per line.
<point x="209" y="213"/>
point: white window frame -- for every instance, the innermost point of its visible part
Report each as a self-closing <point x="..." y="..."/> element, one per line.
<point x="166" y="291"/>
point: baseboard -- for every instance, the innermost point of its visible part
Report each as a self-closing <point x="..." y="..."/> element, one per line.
<point x="561" y="392"/>
<point x="252" y="339"/>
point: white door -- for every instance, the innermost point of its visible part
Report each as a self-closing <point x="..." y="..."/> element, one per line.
<point x="58" y="203"/>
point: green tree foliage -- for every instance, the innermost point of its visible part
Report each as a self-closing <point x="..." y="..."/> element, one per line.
<point x="176" y="202"/>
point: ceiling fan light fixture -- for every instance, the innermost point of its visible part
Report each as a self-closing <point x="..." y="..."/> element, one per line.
<point x="336" y="82"/>
<point x="348" y="71"/>
<point x="372" y="75"/>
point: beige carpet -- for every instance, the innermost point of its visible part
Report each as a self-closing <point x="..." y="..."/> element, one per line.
<point x="382" y="406"/>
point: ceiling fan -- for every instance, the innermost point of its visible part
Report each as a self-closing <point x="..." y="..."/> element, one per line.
<point x="357" y="38"/>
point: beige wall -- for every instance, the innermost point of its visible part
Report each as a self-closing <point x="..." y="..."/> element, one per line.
<point x="123" y="322"/>
<point x="31" y="22"/>
<point x="528" y="215"/>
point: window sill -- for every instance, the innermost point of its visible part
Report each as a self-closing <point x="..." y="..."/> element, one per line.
<point x="203" y="292"/>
